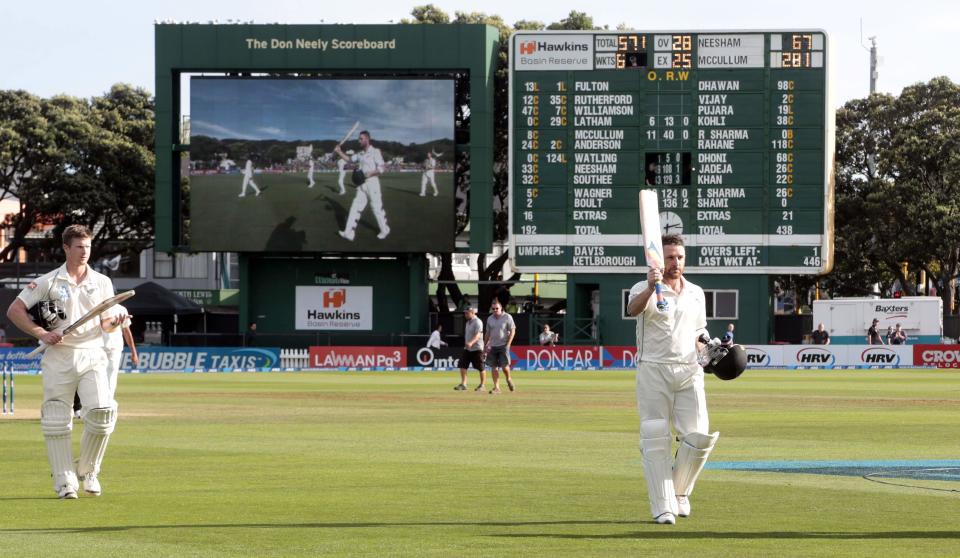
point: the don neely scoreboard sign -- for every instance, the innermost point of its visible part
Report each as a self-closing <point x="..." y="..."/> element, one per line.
<point x="733" y="129"/>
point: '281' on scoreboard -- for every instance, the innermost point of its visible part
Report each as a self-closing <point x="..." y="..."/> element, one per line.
<point x="732" y="129"/>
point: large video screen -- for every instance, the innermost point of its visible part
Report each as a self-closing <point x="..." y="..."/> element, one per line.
<point x="265" y="174"/>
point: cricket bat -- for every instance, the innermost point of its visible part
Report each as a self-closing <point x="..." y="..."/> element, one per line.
<point x="93" y="313"/>
<point x="652" y="245"/>
<point x="350" y="133"/>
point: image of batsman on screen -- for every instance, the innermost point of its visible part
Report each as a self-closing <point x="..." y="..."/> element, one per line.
<point x="73" y="361"/>
<point x="366" y="178"/>
<point x="670" y="385"/>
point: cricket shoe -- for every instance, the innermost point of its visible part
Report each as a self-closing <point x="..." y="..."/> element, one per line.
<point x="511" y="386"/>
<point x="666" y="518"/>
<point x="481" y="387"/>
<point x="495" y="391"/>
<point x="384" y="233"/>
<point x="91" y="485"/>
<point x="459" y="387"/>
<point x="683" y="506"/>
<point x="67" y="492"/>
<point x="422" y="195"/>
<point x="348" y="235"/>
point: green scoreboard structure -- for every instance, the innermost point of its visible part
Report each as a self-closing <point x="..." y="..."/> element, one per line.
<point x="249" y="119"/>
<point x="733" y="129"/>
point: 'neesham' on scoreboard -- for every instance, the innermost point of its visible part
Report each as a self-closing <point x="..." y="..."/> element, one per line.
<point x="733" y="129"/>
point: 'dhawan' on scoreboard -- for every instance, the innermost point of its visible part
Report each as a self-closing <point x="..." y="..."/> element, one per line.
<point x="733" y="129"/>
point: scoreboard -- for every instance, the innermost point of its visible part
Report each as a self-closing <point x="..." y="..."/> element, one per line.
<point x="733" y="129"/>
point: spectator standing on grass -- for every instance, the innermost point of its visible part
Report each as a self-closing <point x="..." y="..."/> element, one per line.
<point x="472" y="349"/>
<point x="500" y="333"/>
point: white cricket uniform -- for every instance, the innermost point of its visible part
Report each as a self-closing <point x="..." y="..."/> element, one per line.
<point x="113" y="346"/>
<point x="310" y="175"/>
<point x="342" y="166"/>
<point x="435" y="342"/>
<point x="248" y="179"/>
<point x="669" y="379"/>
<point x="429" y="176"/>
<point x="368" y="160"/>
<point x="78" y="363"/>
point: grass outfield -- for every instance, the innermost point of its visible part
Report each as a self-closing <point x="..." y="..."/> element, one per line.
<point x="289" y="217"/>
<point x="398" y="464"/>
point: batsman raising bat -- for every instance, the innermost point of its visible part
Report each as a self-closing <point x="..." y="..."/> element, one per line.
<point x="73" y="362"/>
<point x="670" y="390"/>
<point x="366" y="178"/>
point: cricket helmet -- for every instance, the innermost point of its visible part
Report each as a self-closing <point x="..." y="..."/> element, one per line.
<point x="728" y="365"/>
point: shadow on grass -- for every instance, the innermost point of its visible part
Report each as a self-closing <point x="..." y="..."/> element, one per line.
<point x="665" y="533"/>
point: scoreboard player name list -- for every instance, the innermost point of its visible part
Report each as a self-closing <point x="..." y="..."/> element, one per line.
<point x="734" y="151"/>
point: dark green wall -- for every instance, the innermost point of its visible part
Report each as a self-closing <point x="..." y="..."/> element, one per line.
<point x="399" y="289"/>
<point x="752" y="325"/>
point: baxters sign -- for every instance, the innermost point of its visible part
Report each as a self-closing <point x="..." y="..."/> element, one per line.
<point x="940" y="356"/>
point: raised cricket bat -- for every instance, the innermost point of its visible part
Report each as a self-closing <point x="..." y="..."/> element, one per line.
<point x="93" y="313"/>
<point x="652" y="245"/>
<point x="350" y="133"/>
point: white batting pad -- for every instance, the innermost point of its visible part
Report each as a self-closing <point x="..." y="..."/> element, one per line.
<point x="655" y="445"/>
<point x="97" y="426"/>
<point x="56" y="422"/>
<point x="692" y="455"/>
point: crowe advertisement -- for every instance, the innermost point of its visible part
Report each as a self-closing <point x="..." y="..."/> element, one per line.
<point x="940" y="356"/>
<point x="335" y="307"/>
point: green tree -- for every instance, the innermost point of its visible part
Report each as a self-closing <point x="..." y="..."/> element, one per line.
<point x="898" y="190"/>
<point x="91" y="162"/>
<point x="574" y="22"/>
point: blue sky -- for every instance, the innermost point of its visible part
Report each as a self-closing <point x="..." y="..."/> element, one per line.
<point x="408" y="111"/>
<point x="82" y="48"/>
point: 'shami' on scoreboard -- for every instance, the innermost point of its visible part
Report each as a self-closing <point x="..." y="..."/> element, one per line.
<point x="734" y="131"/>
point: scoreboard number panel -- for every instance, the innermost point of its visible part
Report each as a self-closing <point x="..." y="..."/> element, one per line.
<point x="732" y="129"/>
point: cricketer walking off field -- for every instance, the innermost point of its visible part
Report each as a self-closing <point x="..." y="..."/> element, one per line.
<point x="670" y="384"/>
<point x="370" y="161"/>
<point x="75" y="363"/>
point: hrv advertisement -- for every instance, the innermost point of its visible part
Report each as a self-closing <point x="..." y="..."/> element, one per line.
<point x="334" y="308"/>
